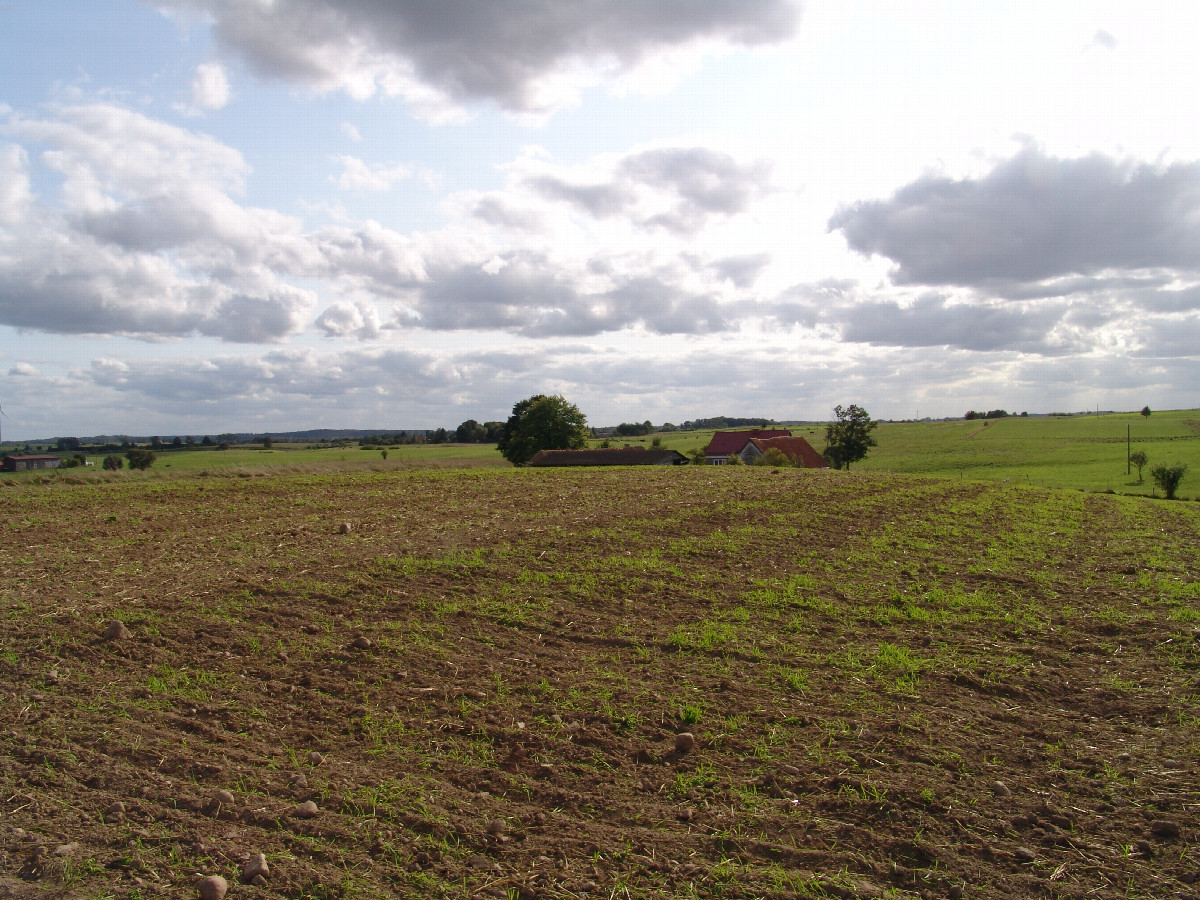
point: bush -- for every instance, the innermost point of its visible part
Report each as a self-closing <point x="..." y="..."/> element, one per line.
<point x="774" y="457"/>
<point x="140" y="459"/>
<point x="1168" y="478"/>
<point x="113" y="463"/>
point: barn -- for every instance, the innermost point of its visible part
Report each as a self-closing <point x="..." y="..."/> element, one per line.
<point x="24" y="463"/>
<point x="624" y="456"/>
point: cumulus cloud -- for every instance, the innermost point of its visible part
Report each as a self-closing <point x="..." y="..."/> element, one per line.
<point x="345" y="319"/>
<point x="679" y="189"/>
<point x="527" y="56"/>
<point x="525" y="295"/>
<point x="15" y="193"/>
<point x="360" y="176"/>
<point x="743" y="271"/>
<point x="146" y="239"/>
<point x="210" y="87"/>
<point x="23" y="369"/>
<point x="261" y="382"/>
<point x="1033" y="218"/>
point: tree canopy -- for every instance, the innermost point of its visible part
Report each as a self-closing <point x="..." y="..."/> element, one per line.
<point x="542" y="422"/>
<point x="849" y="438"/>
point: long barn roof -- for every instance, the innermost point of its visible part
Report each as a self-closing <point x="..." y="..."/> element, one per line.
<point x="624" y="456"/>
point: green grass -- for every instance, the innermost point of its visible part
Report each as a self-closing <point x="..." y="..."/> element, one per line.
<point x="1082" y="452"/>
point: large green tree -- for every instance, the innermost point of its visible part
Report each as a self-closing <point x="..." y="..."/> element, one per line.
<point x="542" y="422"/>
<point x="849" y="437"/>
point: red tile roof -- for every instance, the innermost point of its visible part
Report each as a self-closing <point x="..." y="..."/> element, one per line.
<point x="625" y="456"/>
<point x="726" y="442"/>
<point x="797" y="449"/>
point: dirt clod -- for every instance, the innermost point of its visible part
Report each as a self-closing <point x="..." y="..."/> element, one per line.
<point x="345" y="528"/>
<point x="1000" y="789"/>
<point x="115" y="811"/>
<point x="315" y="758"/>
<point x="362" y="642"/>
<point x="1164" y="828"/>
<point x="685" y="741"/>
<point x="116" y="631"/>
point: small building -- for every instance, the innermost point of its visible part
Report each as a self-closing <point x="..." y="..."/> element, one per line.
<point x="24" y="463"/>
<point x="725" y="444"/>
<point x="624" y="456"/>
<point x="797" y="449"/>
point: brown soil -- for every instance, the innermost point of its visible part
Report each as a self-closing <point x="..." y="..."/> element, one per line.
<point x="531" y="645"/>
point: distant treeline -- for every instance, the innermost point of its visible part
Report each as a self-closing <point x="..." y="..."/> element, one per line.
<point x="717" y="422"/>
<point x="990" y="414"/>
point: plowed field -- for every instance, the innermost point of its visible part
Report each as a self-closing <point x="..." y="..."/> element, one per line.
<point x="893" y="686"/>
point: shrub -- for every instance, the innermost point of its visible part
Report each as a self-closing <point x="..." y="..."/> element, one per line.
<point x="113" y="462"/>
<point x="774" y="457"/>
<point x="140" y="459"/>
<point x="1168" y="478"/>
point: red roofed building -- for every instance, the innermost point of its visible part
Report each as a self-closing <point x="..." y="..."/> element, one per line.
<point x="627" y="456"/>
<point x="22" y="463"/>
<point x="725" y="444"/>
<point x="797" y="449"/>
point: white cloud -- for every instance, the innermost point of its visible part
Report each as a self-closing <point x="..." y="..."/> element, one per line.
<point x="352" y="132"/>
<point x="15" y="194"/>
<point x="360" y="176"/>
<point x="210" y="87"/>
<point x="23" y="369"/>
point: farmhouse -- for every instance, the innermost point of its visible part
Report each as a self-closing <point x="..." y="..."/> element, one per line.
<point x="23" y="463"/>
<point x="726" y="443"/>
<point x="626" y="456"/>
<point x="797" y="449"/>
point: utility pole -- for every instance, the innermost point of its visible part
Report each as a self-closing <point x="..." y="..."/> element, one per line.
<point x="1127" y="448"/>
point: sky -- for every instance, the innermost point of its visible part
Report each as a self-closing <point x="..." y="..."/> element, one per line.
<point x="274" y="215"/>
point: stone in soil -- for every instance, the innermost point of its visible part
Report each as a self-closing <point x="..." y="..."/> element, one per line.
<point x="306" y="810"/>
<point x="214" y="887"/>
<point x="256" y="867"/>
<point x="685" y="741"/>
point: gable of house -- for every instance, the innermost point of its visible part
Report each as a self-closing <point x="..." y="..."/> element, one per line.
<point x="797" y="449"/>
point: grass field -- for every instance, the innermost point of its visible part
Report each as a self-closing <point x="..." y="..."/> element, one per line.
<point x="894" y="686"/>
<point x="1078" y="452"/>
